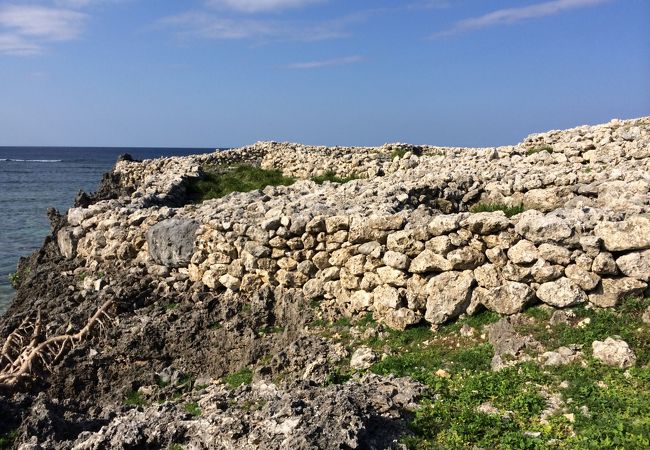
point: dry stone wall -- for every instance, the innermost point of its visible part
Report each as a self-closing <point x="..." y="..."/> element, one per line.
<point x="399" y="242"/>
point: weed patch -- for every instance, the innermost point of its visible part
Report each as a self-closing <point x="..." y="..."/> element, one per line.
<point x="218" y="182"/>
<point x="244" y="376"/>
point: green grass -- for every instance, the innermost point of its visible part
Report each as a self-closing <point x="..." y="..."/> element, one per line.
<point x="244" y="376"/>
<point x="611" y="406"/>
<point x="399" y="152"/>
<point x="134" y="398"/>
<point x="193" y="409"/>
<point x="218" y="182"/>
<point x="176" y="447"/>
<point x="492" y="207"/>
<point x="7" y="440"/>
<point x="624" y="321"/>
<point x="331" y="176"/>
<point x="538" y="149"/>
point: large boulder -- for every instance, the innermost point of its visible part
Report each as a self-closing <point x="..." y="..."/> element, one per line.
<point x="171" y="242"/>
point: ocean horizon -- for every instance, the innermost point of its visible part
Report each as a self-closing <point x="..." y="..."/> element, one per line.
<point x="33" y="179"/>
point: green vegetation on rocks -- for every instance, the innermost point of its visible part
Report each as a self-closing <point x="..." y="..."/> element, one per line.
<point x="7" y="439"/>
<point x="492" y="207"/>
<point x="220" y="181"/>
<point x="541" y="148"/>
<point x="244" y="376"/>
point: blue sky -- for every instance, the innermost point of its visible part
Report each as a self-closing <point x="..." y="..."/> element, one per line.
<point x="208" y="73"/>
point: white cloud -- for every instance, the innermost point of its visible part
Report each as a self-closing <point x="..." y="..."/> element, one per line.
<point x="26" y="29"/>
<point x="204" y="25"/>
<point x="513" y="15"/>
<point x="12" y="44"/>
<point x="325" y="63"/>
<point x="254" y="6"/>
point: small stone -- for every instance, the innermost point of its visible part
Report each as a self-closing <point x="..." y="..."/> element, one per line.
<point x="362" y="358"/>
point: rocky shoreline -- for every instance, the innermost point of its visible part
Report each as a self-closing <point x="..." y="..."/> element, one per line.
<point x="221" y="307"/>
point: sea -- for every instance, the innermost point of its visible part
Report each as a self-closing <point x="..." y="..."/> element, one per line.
<point x="32" y="179"/>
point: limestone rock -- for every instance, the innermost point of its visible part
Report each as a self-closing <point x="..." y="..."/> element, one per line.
<point x="428" y="261"/>
<point x="541" y="229"/>
<point x="630" y="234"/>
<point x="604" y="264"/>
<point x="635" y="265"/>
<point x="484" y="223"/>
<point x="362" y="358"/>
<point x="561" y="293"/>
<point x="444" y="224"/>
<point x="583" y="278"/>
<point x="523" y="252"/>
<point x="396" y="260"/>
<point x="614" y="352"/>
<point x="612" y="290"/>
<point x="449" y="295"/>
<point x="509" y="298"/>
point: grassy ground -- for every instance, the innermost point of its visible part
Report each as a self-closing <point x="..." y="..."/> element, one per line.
<point x="221" y="181"/>
<point x="596" y="406"/>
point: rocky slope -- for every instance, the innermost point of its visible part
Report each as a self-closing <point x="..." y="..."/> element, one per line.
<point x="148" y="320"/>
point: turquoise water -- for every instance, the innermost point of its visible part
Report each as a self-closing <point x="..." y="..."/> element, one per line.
<point x="33" y="179"/>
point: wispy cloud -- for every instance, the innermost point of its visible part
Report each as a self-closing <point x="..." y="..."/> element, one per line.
<point x="254" y="6"/>
<point x="206" y="25"/>
<point x="27" y="29"/>
<point x="513" y="15"/>
<point x="325" y="63"/>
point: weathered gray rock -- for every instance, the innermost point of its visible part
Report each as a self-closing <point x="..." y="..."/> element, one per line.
<point x="561" y="293"/>
<point x="449" y="296"/>
<point x="614" y="352"/>
<point x="630" y="234"/>
<point x="171" y="242"/>
<point x="635" y="265"/>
